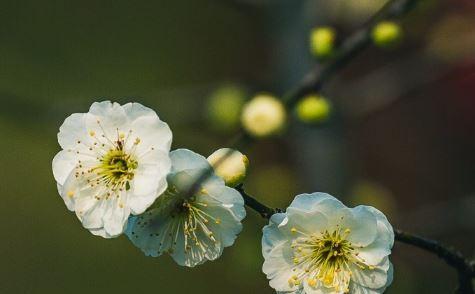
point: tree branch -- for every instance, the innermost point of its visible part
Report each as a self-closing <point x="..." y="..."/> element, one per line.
<point x="265" y="211"/>
<point x="454" y="258"/>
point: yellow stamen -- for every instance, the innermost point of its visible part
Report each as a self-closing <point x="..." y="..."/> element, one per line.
<point x="312" y="282"/>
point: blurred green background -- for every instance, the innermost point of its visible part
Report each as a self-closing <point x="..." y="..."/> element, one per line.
<point x="401" y="138"/>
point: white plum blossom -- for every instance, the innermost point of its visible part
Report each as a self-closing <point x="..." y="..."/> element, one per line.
<point x="321" y="246"/>
<point x="192" y="227"/>
<point x="114" y="163"/>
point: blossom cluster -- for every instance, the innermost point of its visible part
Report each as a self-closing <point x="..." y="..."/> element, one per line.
<point x="117" y="174"/>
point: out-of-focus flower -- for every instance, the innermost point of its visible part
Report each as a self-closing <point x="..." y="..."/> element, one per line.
<point x="386" y="34"/>
<point x="321" y="246"/>
<point x="452" y="39"/>
<point x="263" y="116"/>
<point x="276" y="179"/>
<point x="374" y="194"/>
<point x="313" y="109"/>
<point x="224" y="107"/>
<point x="322" y="41"/>
<point x="191" y="227"/>
<point x="229" y="164"/>
<point x="114" y="162"/>
<point x="344" y="11"/>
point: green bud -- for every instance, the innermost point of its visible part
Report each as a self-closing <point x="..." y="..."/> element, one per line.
<point x="224" y="108"/>
<point x="386" y="34"/>
<point x="313" y="109"/>
<point x="322" y="41"/>
<point x="263" y="116"/>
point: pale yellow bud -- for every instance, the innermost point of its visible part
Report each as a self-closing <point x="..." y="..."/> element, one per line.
<point x="229" y="164"/>
<point x="263" y="116"/>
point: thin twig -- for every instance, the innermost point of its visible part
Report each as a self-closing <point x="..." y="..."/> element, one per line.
<point x="263" y="210"/>
<point x="454" y="258"/>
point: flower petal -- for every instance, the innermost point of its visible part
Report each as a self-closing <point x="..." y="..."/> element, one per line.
<point x="228" y="197"/>
<point x="278" y="268"/>
<point x="183" y="159"/>
<point x="111" y="115"/>
<point x="152" y="133"/>
<point x="73" y="130"/>
<point x="362" y="224"/>
<point x="372" y="279"/>
<point x="137" y="110"/>
<point x="90" y="211"/>
<point x="115" y="219"/>
<point x="313" y="222"/>
<point x="374" y="252"/>
<point x="310" y="202"/>
<point x="272" y="235"/>
<point x="227" y="222"/>
<point x="63" y="164"/>
<point x="149" y="180"/>
<point x="149" y="232"/>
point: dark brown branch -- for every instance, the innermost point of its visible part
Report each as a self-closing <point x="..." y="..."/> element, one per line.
<point x="263" y="210"/>
<point x="453" y="257"/>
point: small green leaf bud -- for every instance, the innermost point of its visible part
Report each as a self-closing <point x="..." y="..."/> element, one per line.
<point x="322" y="41"/>
<point x="224" y="108"/>
<point x="263" y="116"/>
<point x="229" y="164"/>
<point x="386" y="34"/>
<point x="313" y="109"/>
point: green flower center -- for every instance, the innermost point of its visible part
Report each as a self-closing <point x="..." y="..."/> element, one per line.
<point x="325" y="258"/>
<point x="116" y="168"/>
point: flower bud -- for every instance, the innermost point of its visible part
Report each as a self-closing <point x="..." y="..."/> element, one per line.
<point x="313" y="108"/>
<point x="386" y="34"/>
<point x="224" y="107"/>
<point x="263" y="116"/>
<point x="322" y="41"/>
<point x="229" y="164"/>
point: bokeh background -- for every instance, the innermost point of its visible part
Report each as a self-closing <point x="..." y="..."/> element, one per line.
<point x="401" y="137"/>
